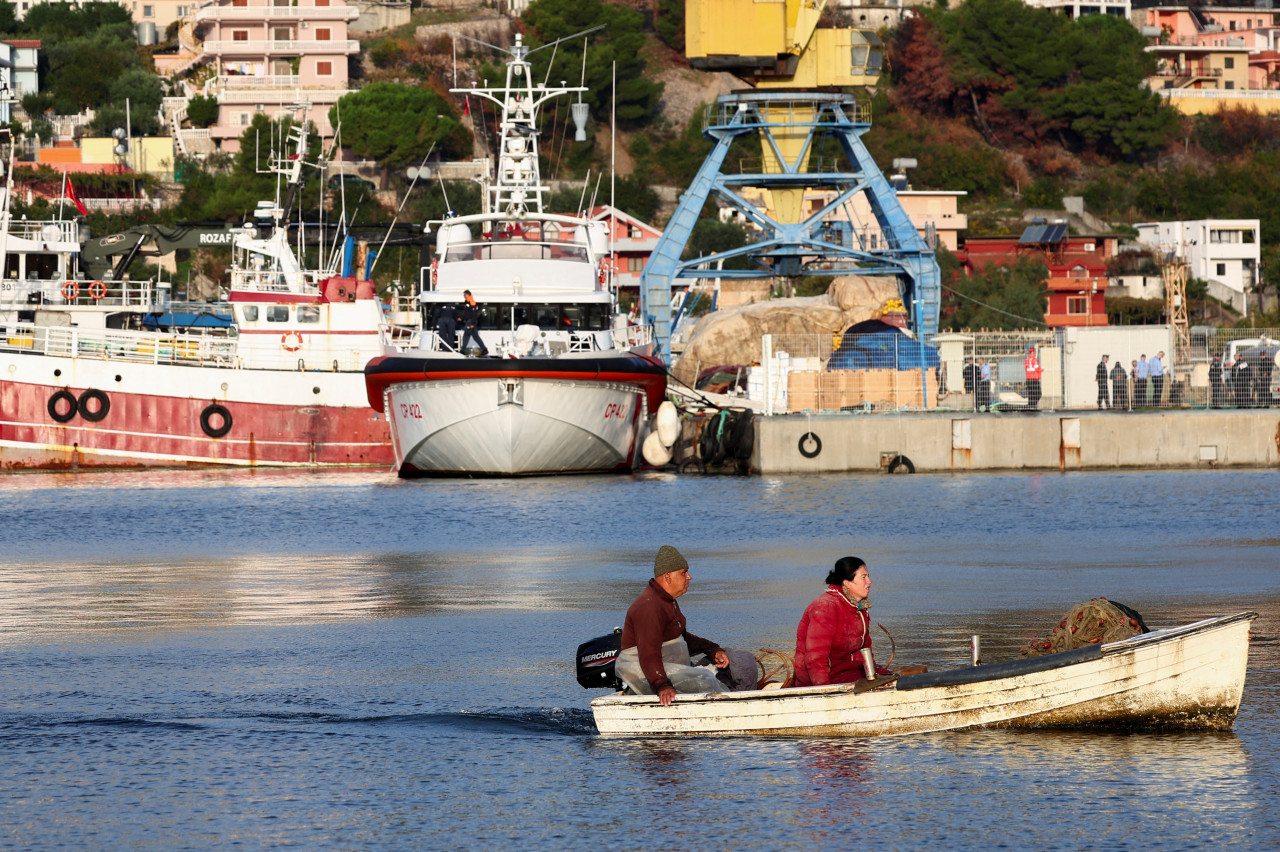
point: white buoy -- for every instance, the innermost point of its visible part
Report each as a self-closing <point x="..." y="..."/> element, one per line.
<point x="667" y="423"/>
<point x="654" y="453"/>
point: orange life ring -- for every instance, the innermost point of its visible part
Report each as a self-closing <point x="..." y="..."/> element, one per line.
<point x="97" y="290"/>
<point x="291" y="341"/>
<point x="70" y="291"/>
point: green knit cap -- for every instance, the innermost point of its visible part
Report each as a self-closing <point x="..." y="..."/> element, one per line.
<point x="668" y="560"/>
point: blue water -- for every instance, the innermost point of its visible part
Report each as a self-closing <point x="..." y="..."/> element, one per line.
<point x="350" y="661"/>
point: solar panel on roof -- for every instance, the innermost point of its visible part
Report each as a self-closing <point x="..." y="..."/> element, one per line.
<point x="1038" y="233"/>
<point x="1031" y="236"/>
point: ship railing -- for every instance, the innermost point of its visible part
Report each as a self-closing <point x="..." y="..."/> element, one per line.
<point x="118" y="345"/>
<point x="275" y="281"/>
<point x="134" y="294"/>
<point x="46" y="230"/>
<point x="553" y="342"/>
<point x="630" y="336"/>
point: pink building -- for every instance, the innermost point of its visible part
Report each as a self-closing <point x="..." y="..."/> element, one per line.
<point x="269" y="54"/>
<point x="1211" y="26"/>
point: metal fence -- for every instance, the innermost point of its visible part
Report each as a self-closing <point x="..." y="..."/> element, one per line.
<point x="889" y="371"/>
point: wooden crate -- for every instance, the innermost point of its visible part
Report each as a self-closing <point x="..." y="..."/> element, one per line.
<point x="803" y="390"/>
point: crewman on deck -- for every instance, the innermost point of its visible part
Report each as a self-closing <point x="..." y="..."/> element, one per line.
<point x="656" y="647"/>
<point x="447" y="326"/>
<point x="470" y="324"/>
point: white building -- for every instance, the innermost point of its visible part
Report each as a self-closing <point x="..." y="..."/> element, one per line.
<point x="19" y="75"/>
<point x="1223" y="252"/>
<point x="1077" y="9"/>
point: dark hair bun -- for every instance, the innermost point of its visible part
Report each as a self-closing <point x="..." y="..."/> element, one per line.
<point x="845" y="568"/>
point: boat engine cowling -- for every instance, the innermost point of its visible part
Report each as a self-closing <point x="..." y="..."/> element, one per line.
<point x="596" y="659"/>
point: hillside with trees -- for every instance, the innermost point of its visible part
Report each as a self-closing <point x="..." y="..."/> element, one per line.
<point x="1016" y="106"/>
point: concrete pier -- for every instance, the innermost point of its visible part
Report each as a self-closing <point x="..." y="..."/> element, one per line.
<point x="1045" y="440"/>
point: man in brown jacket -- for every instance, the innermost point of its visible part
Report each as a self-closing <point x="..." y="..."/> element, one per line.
<point x="656" y="647"/>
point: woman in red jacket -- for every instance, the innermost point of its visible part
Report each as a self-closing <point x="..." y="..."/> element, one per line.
<point x="836" y="627"/>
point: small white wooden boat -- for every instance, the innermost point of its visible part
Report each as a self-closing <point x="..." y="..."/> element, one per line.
<point x="1188" y="677"/>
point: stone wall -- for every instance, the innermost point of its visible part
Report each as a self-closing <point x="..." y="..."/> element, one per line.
<point x="942" y="443"/>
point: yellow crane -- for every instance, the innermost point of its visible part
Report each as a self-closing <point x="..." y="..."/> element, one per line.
<point x="775" y="44"/>
<point x="801" y="79"/>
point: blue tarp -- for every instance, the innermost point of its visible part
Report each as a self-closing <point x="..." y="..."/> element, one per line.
<point x="878" y="345"/>
<point x="180" y="320"/>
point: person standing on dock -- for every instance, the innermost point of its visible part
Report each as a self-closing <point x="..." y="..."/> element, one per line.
<point x="656" y="647"/>
<point x="1155" y="367"/>
<point x="1102" y="376"/>
<point x="1120" y="387"/>
<point x="470" y="323"/>
<point x="1217" y="389"/>
<point x="1242" y="382"/>
<point x="1031" y="365"/>
<point x="1141" y="371"/>
<point x="984" y="385"/>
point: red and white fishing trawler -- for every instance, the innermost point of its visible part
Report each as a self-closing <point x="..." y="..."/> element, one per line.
<point x="84" y="385"/>
<point x="568" y="384"/>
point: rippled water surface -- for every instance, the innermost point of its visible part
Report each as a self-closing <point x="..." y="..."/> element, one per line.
<point x="348" y="661"/>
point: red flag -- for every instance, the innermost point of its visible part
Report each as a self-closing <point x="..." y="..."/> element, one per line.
<point x="71" y="193"/>
<point x="466" y="106"/>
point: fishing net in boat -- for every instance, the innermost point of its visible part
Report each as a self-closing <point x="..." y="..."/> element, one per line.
<point x="776" y="666"/>
<point x="1090" y="623"/>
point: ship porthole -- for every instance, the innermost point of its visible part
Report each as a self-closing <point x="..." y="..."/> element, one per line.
<point x="215" y="420"/>
<point x="94" y="405"/>
<point x="55" y="407"/>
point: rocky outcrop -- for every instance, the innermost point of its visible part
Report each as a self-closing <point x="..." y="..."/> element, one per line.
<point x="732" y="336"/>
<point x="494" y="29"/>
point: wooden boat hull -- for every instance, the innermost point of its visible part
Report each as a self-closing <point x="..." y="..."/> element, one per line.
<point x="1189" y="677"/>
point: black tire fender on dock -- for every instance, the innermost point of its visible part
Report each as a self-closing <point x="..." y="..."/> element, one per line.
<point x="692" y="465"/>
<point x="899" y="462"/>
<point x="57" y="397"/>
<point x="94" y="405"/>
<point x="808" y="437"/>
<point x="207" y="416"/>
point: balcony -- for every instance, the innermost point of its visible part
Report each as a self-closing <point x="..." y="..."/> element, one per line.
<point x="1077" y="285"/>
<point x="256" y="14"/>
<point x="249" y="81"/>
<point x="263" y="47"/>
<point x="232" y="96"/>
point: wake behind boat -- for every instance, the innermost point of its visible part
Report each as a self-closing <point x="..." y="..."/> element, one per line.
<point x="555" y="379"/>
<point x="1189" y="677"/>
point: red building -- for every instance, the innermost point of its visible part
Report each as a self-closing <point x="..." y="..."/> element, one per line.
<point x="1077" y="282"/>
<point x="631" y="241"/>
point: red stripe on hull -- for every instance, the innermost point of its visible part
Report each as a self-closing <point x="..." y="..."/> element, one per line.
<point x="141" y="430"/>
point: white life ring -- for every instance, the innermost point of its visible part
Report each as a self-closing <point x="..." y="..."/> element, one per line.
<point x="291" y="341"/>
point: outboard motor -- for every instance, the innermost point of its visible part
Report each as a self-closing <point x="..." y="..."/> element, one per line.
<point x="596" y="659"/>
